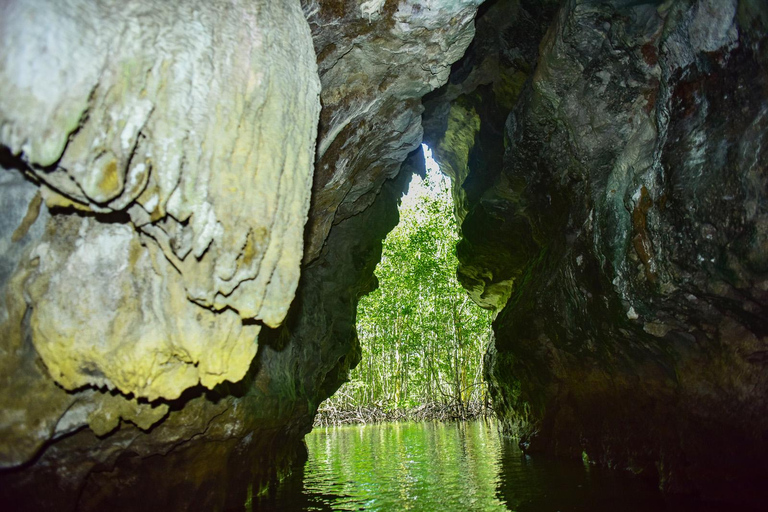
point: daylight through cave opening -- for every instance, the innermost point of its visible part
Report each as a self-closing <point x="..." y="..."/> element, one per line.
<point x="189" y="223"/>
<point x="422" y="338"/>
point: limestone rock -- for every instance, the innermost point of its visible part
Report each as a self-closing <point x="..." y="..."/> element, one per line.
<point x="192" y="227"/>
<point x="35" y="409"/>
<point x="464" y="122"/>
<point x="136" y="331"/>
<point x="186" y="132"/>
<point x="376" y="60"/>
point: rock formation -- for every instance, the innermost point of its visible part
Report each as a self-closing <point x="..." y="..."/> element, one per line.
<point x="172" y="221"/>
<point x="158" y="163"/>
<point x="376" y="59"/>
<point x="619" y="229"/>
<point x="186" y="232"/>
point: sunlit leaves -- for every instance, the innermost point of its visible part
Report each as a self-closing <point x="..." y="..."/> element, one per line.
<point x="422" y="338"/>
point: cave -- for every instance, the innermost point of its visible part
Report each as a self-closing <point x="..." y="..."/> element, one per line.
<point x="195" y="196"/>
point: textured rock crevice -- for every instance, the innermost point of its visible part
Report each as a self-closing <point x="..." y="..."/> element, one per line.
<point x="465" y="122"/>
<point x="376" y="61"/>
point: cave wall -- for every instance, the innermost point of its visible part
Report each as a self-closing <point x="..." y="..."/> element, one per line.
<point x="465" y="122"/>
<point x="155" y="241"/>
<point x="187" y="233"/>
<point x="618" y="228"/>
<point x="376" y="59"/>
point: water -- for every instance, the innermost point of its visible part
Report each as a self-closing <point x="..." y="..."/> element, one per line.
<point x="451" y="466"/>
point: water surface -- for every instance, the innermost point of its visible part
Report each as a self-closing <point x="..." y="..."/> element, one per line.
<point x="452" y="466"/>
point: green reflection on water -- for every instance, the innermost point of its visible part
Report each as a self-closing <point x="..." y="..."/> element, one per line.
<point x="453" y="466"/>
<point x="406" y="466"/>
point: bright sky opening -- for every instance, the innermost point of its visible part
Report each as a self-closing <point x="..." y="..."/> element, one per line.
<point x="436" y="185"/>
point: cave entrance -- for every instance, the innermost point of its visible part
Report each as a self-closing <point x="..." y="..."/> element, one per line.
<point x="422" y="338"/>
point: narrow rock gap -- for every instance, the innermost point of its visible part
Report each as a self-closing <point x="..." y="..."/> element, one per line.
<point x="607" y="171"/>
<point x="422" y="339"/>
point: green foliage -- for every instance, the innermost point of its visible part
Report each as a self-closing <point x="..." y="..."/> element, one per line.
<point x="422" y="338"/>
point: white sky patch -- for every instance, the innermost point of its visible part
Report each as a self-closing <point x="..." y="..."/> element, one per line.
<point x="437" y="184"/>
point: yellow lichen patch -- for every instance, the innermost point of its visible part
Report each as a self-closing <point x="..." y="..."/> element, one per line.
<point x="55" y="200"/>
<point x="254" y="245"/>
<point x="33" y="210"/>
<point x="248" y="251"/>
<point x="110" y="184"/>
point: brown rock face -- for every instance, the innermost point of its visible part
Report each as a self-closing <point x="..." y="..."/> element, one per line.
<point x="619" y="230"/>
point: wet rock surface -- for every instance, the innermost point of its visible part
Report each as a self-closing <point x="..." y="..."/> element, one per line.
<point x="132" y="368"/>
<point x="161" y="342"/>
<point x="622" y="241"/>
